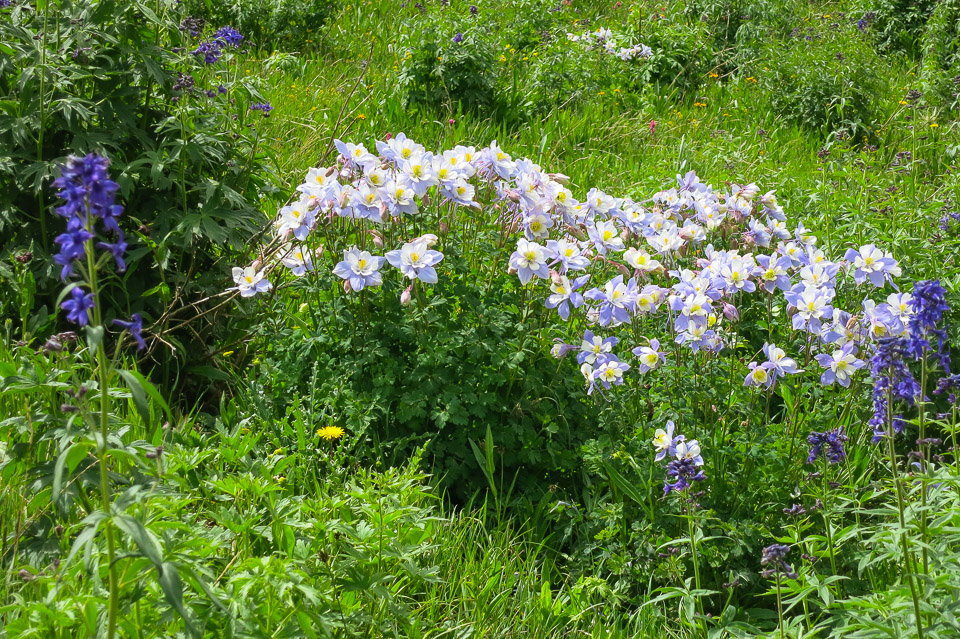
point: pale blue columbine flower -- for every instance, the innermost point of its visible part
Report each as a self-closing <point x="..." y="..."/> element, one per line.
<point x="537" y="224"/>
<point x="249" y="281"/>
<point x="561" y="348"/>
<point x="605" y="237"/>
<point x="812" y="304"/>
<point x="689" y="450"/>
<point x="297" y="219"/>
<point x="650" y="356"/>
<point x="359" y="268"/>
<point x="665" y="442"/>
<point x="568" y="255"/>
<point x="298" y="261"/>
<point x="736" y="276"/>
<point x="529" y="260"/>
<point x="760" y="375"/>
<point x="697" y="336"/>
<point x="599" y="204"/>
<point x="416" y="260"/>
<point x="693" y="309"/>
<point x="780" y="364"/>
<point x="609" y="373"/>
<point x="772" y="272"/>
<point x="839" y="366"/>
<point x="872" y="263"/>
<point x="565" y="294"/>
<point x="594" y="348"/>
<point x="615" y="300"/>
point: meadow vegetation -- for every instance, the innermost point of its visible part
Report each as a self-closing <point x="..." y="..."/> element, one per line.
<point x="479" y="319"/>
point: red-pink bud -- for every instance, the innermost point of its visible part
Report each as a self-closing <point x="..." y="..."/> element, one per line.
<point x="407" y="295"/>
<point x="346" y="286"/>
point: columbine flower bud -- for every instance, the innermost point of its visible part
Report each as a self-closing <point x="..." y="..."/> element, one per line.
<point x="513" y="196"/>
<point x="377" y="238"/>
<point x="303" y="307"/>
<point x="730" y="312"/>
<point x="406" y="296"/>
<point x="430" y="238"/>
<point x="620" y="267"/>
<point x="346" y="286"/>
<point x="555" y="277"/>
<point x="330" y="171"/>
<point x="559" y="177"/>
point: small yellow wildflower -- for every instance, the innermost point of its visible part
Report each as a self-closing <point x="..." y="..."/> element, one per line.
<point x="330" y="433"/>
<point x="934" y="126"/>
<point x="713" y="74"/>
<point x="227" y="353"/>
<point x="361" y="116"/>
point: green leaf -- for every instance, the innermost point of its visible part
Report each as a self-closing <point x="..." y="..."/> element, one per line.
<point x="144" y="540"/>
<point x="173" y="592"/>
<point x="623" y="484"/>
<point x="133" y="377"/>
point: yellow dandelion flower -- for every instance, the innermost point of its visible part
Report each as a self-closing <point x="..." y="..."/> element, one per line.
<point x="330" y="433"/>
<point x="361" y="116"/>
<point x="713" y="74"/>
<point x="227" y="353"/>
<point x="934" y="126"/>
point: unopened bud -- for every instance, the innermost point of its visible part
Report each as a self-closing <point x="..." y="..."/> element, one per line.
<point x="555" y="277"/>
<point x="26" y="575"/>
<point x="621" y="268"/>
<point x="377" y="238"/>
<point x="68" y="408"/>
<point x="444" y="228"/>
<point x="406" y="296"/>
<point x="559" y="177"/>
<point x="387" y="137"/>
<point x="346" y="286"/>
<point x="330" y="171"/>
<point x="730" y="312"/>
<point x="513" y="196"/>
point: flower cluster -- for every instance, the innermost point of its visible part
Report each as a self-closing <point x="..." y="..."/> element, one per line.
<point x="89" y="205"/>
<point x="832" y="440"/>
<point x="685" y="461"/>
<point x="774" y="558"/>
<point x="664" y="254"/>
<point x="211" y="50"/>
<point x="604" y="40"/>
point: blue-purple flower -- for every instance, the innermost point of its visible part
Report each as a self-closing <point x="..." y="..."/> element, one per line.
<point x="595" y="349"/>
<point x="416" y="260"/>
<point x="135" y="328"/>
<point x="529" y="261"/>
<point x="650" y="356"/>
<point x="832" y="441"/>
<point x="78" y="306"/>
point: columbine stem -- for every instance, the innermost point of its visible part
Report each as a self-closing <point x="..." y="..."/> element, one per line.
<point x="695" y="557"/>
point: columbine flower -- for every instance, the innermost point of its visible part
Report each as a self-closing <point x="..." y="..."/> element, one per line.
<point x="840" y="366"/>
<point x="760" y="375"/>
<point x="360" y="268"/>
<point x="416" y="261"/>
<point x="873" y="264"/>
<point x="297" y="261"/>
<point x="529" y="260"/>
<point x="610" y="372"/>
<point x="594" y="348"/>
<point x="605" y="237"/>
<point x="615" y="299"/>
<point x="567" y="253"/>
<point x="565" y="294"/>
<point x="689" y="450"/>
<point x="812" y="304"/>
<point x="135" y="328"/>
<point x="78" y="306"/>
<point x="665" y="442"/>
<point x="771" y="272"/>
<point x="640" y="260"/>
<point x="650" y="356"/>
<point x="781" y="365"/>
<point x="249" y="281"/>
<point x="833" y="440"/>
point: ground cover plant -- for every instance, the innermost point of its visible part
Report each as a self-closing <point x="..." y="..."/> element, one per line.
<point x="494" y="318"/>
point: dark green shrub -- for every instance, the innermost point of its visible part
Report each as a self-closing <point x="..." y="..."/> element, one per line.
<point x="122" y="79"/>
<point x="827" y="79"/>
<point x="897" y="25"/>
<point x="270" y="24"/>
